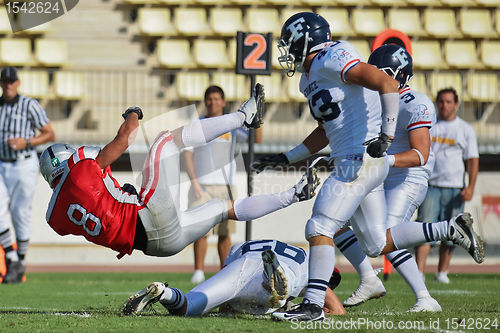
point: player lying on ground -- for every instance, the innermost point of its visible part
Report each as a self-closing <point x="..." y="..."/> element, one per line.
<point x="259" y="276"/>
<point x="88" y="201"/>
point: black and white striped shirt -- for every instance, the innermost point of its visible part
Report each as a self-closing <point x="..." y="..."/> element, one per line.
<point x="18" y="119"/>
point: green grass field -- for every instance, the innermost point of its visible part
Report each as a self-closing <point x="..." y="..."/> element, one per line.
<point x="91" y="302"/>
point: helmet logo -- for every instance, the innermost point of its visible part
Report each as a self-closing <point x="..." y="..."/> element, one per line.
<point x="401" y="56"/>
<point x="296" y="28"/>
<point x="55" y="162"/>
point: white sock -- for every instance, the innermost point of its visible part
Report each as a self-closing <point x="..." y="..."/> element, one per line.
<point x="406" y="265"/>
<point x="321" y="264"/>
<point x="201" y="131"/>
<point x="347" y="243"/>
<point x="409" y="234"/>
<point x="172" y="298"/>
<point x="253" y="207"/>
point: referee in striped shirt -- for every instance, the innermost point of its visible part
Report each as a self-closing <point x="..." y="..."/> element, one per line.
<point x="23" y="125"/>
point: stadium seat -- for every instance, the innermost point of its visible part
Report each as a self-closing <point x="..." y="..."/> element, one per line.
<point x="427" y="55"/>
<point x="490" y="53"/>
<point x="246" y="2"/>
<point x="206" y="2"/>
<point x="263" y="20"/>
<point x="274" y="87"/>
<point x="354" y="2"/>
<point x="275" y="54"/>
<point x="288" y="12"/>
<point x="191" y="21"/>
<point x="407" y="21"/>
<point x="210" y="53"/>
<point x="226" y="21"/>
<point x="458" y="3"/>
<point x="419" y="83"/>
<point x="482" y="87"/>
<point x="34" y="84"/>
<point x="293" y="89"/>
<point x="16" y="52"/>
<point x="441" y="80"/>
<point x="51" y="52"/>
<point x="339" y="21"/>
<point x="461" y="54"/>
<point x="441" y="23"/>
<point x="140" y="2"/>
<point x="389" y="3"/>
<point x="191" y="86"/>
<point x="487" y="3"/>
<point x="284" y="3"/>
<point x="319" y="2"/>
<point x="424" y="3"/>
<point x="174" y="53"/>
<point x="476" y="23"/>
<point x="5" y="27"/>
<point x="235" y="86"/>
<point x="69" y="85"/>
<point x="497" y="21"/>
<point x="362" y="47"/>
<point x="155" y="21"/>
<point x="174" y="2"/>
<point x="368" y="22"/>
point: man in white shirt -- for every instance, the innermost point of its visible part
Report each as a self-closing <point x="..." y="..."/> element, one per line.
<point x="453" y="142"/>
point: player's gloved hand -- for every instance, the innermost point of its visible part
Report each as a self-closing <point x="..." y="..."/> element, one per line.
<point x="306" y="187"/>
<point x="270" y="161"/>
<point x="378" y="146"/>
<point x="134" y="109"/>
<point x="129" y="188"/>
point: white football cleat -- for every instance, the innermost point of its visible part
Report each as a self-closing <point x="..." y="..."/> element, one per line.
<point x="198" y="277"/>
<point x="253" y="108"/>
<point x="367" y="289"/>
<point x="426" y="304"/>
<point x="144" y="297"/>
<point x="442" y="277"/>
<point x="460" y="232"/>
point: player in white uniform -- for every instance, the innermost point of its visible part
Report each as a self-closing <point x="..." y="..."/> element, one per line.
<point x="342" y="95"/>
<point x="405" y="186"/>
<point x="258" y="277"/>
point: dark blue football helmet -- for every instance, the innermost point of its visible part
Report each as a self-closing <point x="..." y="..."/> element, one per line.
<point x="395" y="61"/>
<point x="302" y="34"/>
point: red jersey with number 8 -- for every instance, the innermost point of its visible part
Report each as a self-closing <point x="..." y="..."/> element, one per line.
<point x="90" y="203"/>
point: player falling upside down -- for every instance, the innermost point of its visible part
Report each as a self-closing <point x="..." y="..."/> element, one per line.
<point x="343" y="98"/>
<point x="88" y="201"/>
<point x="258" y="277"/>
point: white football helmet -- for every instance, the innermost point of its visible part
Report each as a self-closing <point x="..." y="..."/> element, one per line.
<point x="53" y="160"/>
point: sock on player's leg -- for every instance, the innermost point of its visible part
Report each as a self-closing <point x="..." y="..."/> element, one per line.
<point x="321" y="264"/>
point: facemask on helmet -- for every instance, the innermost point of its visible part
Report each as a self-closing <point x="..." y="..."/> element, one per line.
<point x="302" y="34"/>
<point x="53" y="161"/>
<point x="395" y="61"/>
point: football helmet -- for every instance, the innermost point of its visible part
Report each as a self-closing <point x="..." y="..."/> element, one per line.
<point x="302" y="34"/>
<point x="53" y="161"/>
<point x="395" y="61"/>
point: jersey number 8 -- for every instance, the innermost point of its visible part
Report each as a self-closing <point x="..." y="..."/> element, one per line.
<point x="88" y="221"/>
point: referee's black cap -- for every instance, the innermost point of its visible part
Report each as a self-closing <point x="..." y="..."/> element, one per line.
<point x="9" y="74"/>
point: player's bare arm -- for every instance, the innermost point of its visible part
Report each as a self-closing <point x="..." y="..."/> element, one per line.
<point x="317" y="140"/>
<point x="371" y="77"/>
<point x="126" y="135"/>
<point x="472" y="170"/>
<point x="419" y="140"/>
<point x="46" y="134"/>
<point x="190" y="169"/>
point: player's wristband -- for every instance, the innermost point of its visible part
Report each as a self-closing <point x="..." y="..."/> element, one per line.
<point x="297" y="154"/>
<point x="390" y="110"/>
<point x="420" y="156"/>
<point x="134" y="109"/>
<point x="391" y="159"/>
<point x="28" y="144"/>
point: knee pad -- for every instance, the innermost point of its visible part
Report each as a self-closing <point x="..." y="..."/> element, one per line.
<point x="320" y="225"/>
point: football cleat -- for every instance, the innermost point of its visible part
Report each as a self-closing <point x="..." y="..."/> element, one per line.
<point x="253" y="108"/>
<point x="460" y="232"/>
<point x="367" y="289"/>
<point x="144" y="297"/>
<point x="198" y="277"/>
<point x="275" y="278"/>
<point x="15" y="272"/>
<point x="307" y="185"/>
<point x="305" y="311"/>
<point x="442" y="277"/>
<point x="426" y="304"/>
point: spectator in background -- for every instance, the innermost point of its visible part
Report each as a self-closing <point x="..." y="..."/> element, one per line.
<point x="20" y="118"/>
<point x="211" y="169"/>
<point x="453" y="141"/>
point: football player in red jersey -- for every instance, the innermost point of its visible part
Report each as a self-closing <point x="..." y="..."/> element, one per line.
<point x="88" y="201"/>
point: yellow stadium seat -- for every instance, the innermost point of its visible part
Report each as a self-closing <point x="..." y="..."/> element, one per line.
<point x="273" y="84"/>
<point x="339" y="21"/>
<point x="174" y="2"/>
<point x="354" y="2"/>
<point x="476" y="23"/>
<point x="140" y="2"/>
<point x="235" y="86"/>
<point x="407" y="21"/>
<point x="497" y="21"/>
<point x="441" y="23"/>
<point x="288" y="12"/>
<point x="419" y="83"/>
<point x="16" y="52"/>
<point x="5" y="27"/>
<point x="155" y="21"/>
<point x="488" y="3"/>
<point x="368" y="22"/>
<point x="69" y="85"/>
<point x="191" y="86"/>
<point x="210" y="53"/>
<point x="34" y="83"/>
<point x="293" y="89"/>
<point x="263" y="20"/>
<point x="226" y="21"/>
<point x="482" y="87"/>
<point x="427" y="55"/>
<point x="362" y="47"/>
<point x="458" y="3"/>
<point x="207" y="2"/>
<point x="51" y="52"/>
<point x="441" y="80"/>
<point x="461" y="54"/>
<point x="174" y="53"/>
<point x="191" y="21"/>
<point x="232" y="51"/>
<point x="284" y="2"/>
<point x="389" y="3"/>
<point x="319" y="2"/>
<point x="275" y="54"/>
<point x="490" y="53"/>
<point x="424" y="3"/>
<point x="246" y="2"/>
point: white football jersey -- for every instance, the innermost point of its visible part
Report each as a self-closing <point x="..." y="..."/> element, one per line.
<point x="350" y="114"/>
<point x="416" y="110"/>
